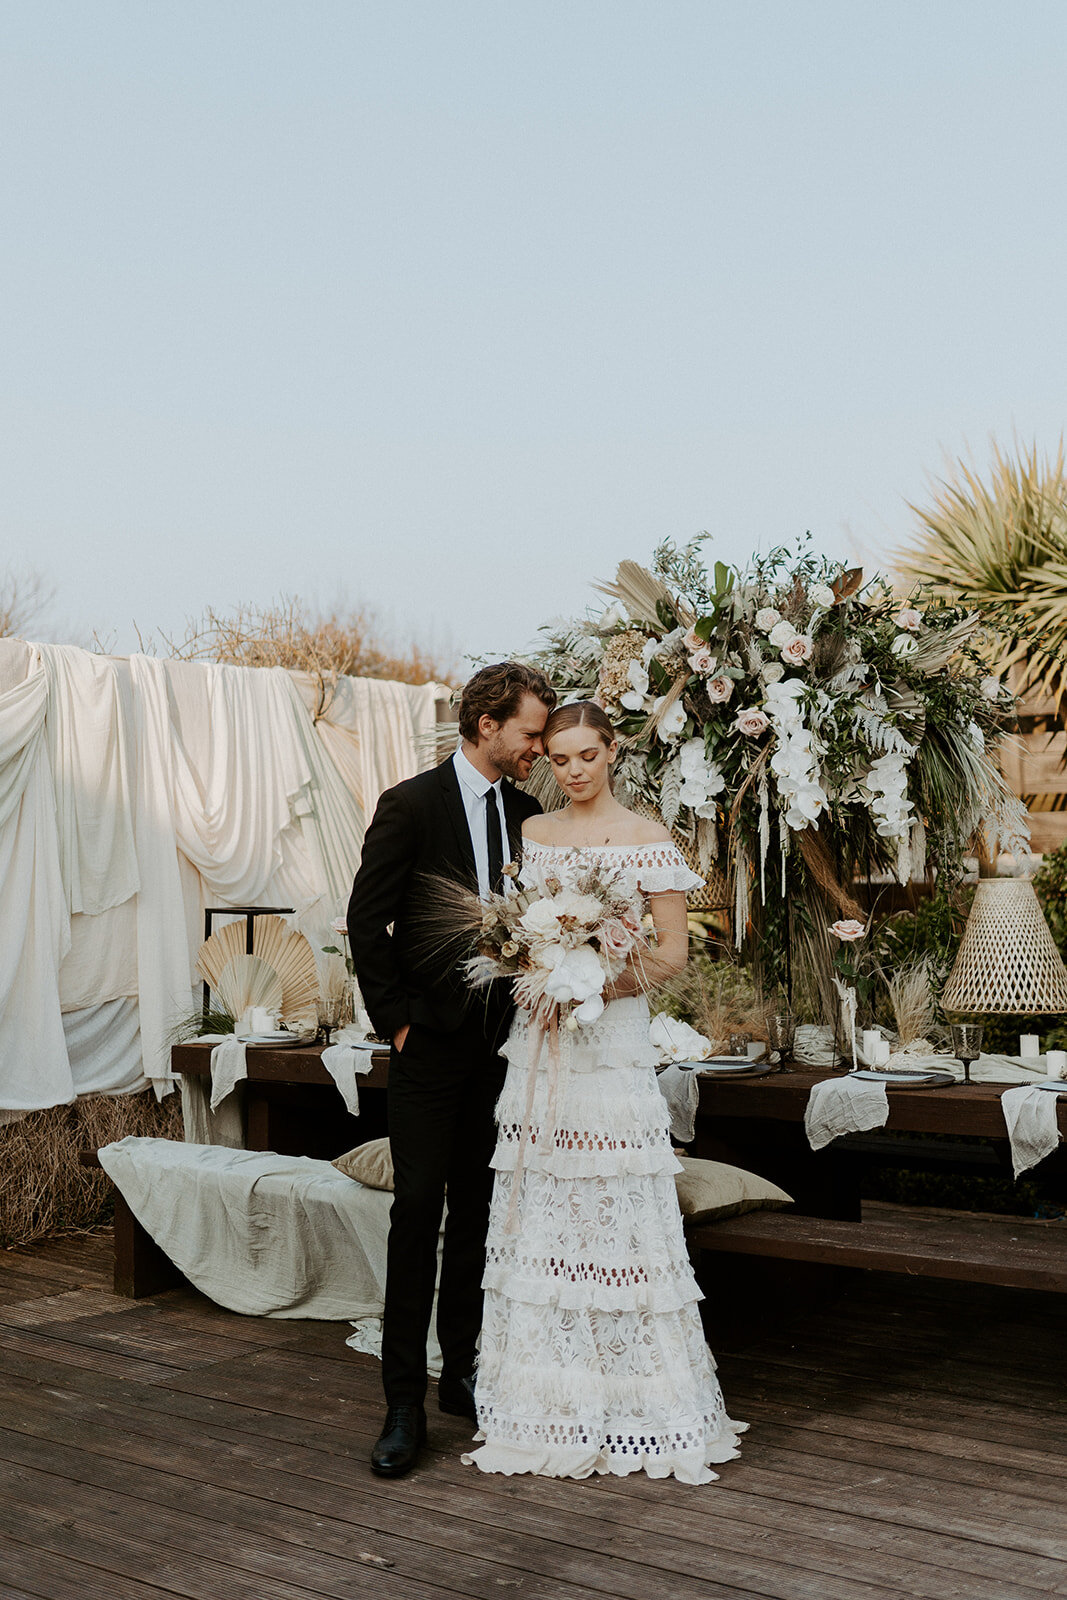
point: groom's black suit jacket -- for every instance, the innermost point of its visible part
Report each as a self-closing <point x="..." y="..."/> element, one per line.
<point x="419" y="832"/>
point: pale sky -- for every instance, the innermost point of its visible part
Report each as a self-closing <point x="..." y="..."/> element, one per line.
<point x="445" y="308"/>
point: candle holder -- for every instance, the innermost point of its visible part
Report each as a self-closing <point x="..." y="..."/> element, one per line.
<point x="966" y="1044"/>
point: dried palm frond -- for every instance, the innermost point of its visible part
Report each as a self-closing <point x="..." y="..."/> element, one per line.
<point x="640" y="593"/>
<point x="249" y="981"/>
<point x="292" y="958"/>
<point x="216" y="953"/>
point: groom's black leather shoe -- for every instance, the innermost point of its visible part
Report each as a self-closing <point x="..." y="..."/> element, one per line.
<point x="456" y="1396"/>
<point x="401" y="1440"/>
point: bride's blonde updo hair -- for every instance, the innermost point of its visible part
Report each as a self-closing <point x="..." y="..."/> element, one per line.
<point x="579" y="714"/>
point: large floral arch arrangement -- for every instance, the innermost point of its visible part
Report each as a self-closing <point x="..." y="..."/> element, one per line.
<point x="799" y="727"/>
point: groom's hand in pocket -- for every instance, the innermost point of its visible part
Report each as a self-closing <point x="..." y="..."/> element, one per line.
<point x="399" y="1037"/>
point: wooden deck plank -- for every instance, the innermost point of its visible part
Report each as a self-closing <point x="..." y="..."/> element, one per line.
<point x="846" y="1555"/>
<point x="898" y="1448"/>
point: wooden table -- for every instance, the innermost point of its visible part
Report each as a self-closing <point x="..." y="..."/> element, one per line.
<point x="292" y="1104"/>
<point x="758" y="1123"/>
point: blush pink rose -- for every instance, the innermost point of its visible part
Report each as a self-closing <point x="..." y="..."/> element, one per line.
<point x="909" y="618"/>
<point x="752" y="722"/>
<point x="848" y="930"/>
<point x="691" y="641"/>
<point x="702" y="660"/>
<point x="798" y="649"/>
<point x="719" y="690"/>
<point x="616" y="939"/>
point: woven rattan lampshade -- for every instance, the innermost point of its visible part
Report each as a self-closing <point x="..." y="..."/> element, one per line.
<point x="1008" y="963"/>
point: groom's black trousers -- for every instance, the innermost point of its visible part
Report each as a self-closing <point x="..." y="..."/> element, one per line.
<point x="442" y="1091"/>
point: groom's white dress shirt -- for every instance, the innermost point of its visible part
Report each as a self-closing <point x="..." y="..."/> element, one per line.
<point x="474" y="788"/>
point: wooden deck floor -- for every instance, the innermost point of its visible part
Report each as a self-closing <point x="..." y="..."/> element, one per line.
<point x="909" y="1440"/>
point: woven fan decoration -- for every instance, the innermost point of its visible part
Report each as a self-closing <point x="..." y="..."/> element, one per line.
<point x="1008" y="963"/>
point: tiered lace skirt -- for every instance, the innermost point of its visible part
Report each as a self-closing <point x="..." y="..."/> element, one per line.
<point x="593" y="1357"/>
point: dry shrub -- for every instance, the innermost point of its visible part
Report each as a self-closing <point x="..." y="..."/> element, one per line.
<point x="340" y="644"/>
<point x="45" y="1191"/>
<point x="716" y="998"/>
<point x="24" y="598"/>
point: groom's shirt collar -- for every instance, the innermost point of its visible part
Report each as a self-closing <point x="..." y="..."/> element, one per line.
<point x="473" y="788"/>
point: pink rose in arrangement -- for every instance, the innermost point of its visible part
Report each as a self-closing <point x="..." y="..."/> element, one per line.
<point x="752" y="722"/>
<point x="719" y="690"/>
<point x="797" y="650"/>
<point x="691" y="642"/>
<point x="702" y="661"/>
<point x="339" y="925"/>
<point x="848" y="930"/>
<point x="909" y="618"/>
<point x="616" y="939"/>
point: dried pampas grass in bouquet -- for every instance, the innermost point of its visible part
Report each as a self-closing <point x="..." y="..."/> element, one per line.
<point x="911" y="996"/>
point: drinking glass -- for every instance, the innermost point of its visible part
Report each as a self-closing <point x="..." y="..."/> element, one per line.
<point x="781" y="1035"/>
<point x="966" y="1044"/>
<point x="329" y="1015"/>
<point x="739" y="1044"/>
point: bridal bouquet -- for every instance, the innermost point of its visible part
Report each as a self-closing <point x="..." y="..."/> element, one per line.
<point x="560" y="937"/>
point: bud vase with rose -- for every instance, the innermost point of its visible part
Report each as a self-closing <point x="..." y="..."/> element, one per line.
<point x="348" y="1003"/>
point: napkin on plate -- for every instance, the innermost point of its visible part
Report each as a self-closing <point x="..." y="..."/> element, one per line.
<point x="1033" y="1128"/>
<point x="844" y="1105"/>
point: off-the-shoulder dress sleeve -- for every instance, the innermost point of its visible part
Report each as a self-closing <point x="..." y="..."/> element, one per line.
<point x="661" y="868"/>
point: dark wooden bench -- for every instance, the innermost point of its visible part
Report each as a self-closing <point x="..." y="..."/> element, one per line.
<point x="141" y="1267"/>
<point x="1015" y="1252"/>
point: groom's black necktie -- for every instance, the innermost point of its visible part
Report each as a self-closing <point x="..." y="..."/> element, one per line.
<point x="493" y="833"/>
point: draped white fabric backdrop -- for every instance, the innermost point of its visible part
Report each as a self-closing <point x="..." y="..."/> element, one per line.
<point x="135" y="792"/>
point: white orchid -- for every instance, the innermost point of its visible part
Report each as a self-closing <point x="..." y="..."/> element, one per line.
<point x="991" y="689"/>
<point x="672" y="722"/>
<point x="905" y="644"/>
<point x="574" y="975"/>
<point x="637" y="694"/>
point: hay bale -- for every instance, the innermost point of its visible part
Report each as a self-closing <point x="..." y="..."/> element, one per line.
<point x="45" y="1191"/>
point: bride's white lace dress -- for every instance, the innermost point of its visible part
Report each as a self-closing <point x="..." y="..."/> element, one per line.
<point x="593" y="1357"/>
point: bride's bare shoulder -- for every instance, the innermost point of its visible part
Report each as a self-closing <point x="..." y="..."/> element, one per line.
<point x="644" y="830"/>
<point x="539" y="828"/>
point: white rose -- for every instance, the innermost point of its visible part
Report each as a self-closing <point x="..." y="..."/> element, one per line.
<point x="719" y="690"/>
<point x="767" y="618"/>
<point x="673" y="720"/>
<point x="781" y="634"/>
<point x="773" y="672"/>
<point x="821" y="595"/>
<point x="798" y="649"/>
<point x="905" y="644"/>
<point x="909" y="618"/>
<point x="991" y="688"/>
<point x="541" y="920"/>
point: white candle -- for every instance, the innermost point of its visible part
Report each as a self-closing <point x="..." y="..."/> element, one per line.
<point x="1057" y="1063"/>
<point x="1029" y="1046"/>
<point x="871" y="1040"/>
<point x="882" y="1053"/>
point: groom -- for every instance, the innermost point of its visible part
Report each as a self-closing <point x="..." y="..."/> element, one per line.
<point x="458" y="821"/>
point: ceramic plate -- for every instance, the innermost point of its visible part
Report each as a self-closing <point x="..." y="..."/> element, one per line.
<point x="904" y="1080"/>
<point x="278" y="1040"/>
<point x="1056" y="1086"/>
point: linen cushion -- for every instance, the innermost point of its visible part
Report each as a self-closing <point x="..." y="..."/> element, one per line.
<point x="708" y="1190"/>
<point x="370" y="1164"/>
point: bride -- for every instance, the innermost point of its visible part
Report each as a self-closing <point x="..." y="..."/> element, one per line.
<point x="592" y="1357"/>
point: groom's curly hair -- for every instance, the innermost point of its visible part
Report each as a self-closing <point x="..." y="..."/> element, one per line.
<point x="497" y="692"/>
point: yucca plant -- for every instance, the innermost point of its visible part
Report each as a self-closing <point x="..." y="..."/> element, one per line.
<point x="1001" y="546"/>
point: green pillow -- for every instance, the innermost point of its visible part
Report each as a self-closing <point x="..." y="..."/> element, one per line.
<point x="708" y="1190"/>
